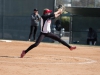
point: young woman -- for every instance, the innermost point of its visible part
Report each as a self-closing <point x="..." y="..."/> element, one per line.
<point x="46" y="30"/>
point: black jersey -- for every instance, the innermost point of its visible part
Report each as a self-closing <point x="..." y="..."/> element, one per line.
<point x="46" y="23"/>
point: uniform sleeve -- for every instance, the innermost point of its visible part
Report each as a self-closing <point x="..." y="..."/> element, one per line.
<point x="52" y="15"/>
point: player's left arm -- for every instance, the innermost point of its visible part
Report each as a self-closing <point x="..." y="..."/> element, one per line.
<point x="58" y="12"/>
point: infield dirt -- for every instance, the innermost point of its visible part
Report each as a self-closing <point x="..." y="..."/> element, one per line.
<point x="48" y="59"/>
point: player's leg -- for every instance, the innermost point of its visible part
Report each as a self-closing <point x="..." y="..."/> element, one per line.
<point x="35" y="30"/>
<point x="31" y="29"/>
<point x="88" y="41"/>
<point x="55" y="37"/>
<point x="40" y="38"/>
<point x="95" y="41"/>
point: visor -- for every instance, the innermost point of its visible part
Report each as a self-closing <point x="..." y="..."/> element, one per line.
<point x="47" y="11"/>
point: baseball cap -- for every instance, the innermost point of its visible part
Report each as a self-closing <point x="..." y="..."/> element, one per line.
<point x="35" y="9"/>
<point x="47" y="11"/>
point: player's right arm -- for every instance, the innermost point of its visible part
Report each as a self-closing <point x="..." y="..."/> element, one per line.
<point x="33" y="17"/>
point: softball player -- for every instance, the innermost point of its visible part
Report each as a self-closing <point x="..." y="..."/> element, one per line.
<point x="46" y="30"/>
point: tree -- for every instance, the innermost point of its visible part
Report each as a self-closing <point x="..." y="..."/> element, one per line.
<point x="65" y="22"/>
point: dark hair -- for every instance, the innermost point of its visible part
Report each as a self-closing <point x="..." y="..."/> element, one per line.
<point x="35" y="9"/>
<point x="90" y="28"/>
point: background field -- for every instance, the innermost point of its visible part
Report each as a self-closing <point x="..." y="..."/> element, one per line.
<point x="48" y="59"/>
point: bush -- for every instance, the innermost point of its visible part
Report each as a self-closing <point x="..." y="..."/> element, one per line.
<point x="65" y="22"/>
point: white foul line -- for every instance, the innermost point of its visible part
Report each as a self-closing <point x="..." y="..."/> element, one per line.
<point x="87" y="61"/>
